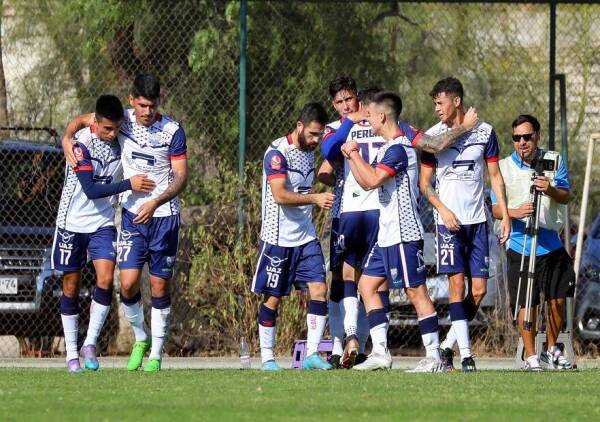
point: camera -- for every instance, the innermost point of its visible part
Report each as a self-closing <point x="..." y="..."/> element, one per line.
<point x="544" y="161"/>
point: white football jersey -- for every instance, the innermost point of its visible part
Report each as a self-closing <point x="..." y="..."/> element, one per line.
<point x="285" y="225"/>
<point x="399" y="220"/>
<point x="76" y="212"/>
<point x="149" y="150"/>
<point x="460" y="172"/>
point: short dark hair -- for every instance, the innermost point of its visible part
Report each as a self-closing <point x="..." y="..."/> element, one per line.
<point x="146" y="85"/>
<point x="313" y="112"/>
<point x="390" y="100"/>
<point x="450" y="85"/>
<point x="365" y="96"/>
<point x="527" y="118"/>
<point x="342" y="83"/>
<point x="109" y="107"/>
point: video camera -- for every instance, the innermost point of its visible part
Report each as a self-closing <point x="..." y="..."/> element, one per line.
<point x="544" y="161"/>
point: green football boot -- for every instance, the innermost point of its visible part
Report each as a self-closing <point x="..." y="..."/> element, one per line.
<point x="137" y="354"/>
<point x="153" y="365"/>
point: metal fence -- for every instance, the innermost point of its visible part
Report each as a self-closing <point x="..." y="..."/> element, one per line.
<point x="73" y="51"/>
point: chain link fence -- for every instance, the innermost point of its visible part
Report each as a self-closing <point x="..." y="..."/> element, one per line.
<point x="75" y="50"/>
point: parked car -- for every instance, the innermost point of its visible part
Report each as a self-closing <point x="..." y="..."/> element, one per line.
<point x="32" y="175"/>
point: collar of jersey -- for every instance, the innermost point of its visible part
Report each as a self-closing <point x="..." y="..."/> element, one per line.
<point x="517" y="159"/>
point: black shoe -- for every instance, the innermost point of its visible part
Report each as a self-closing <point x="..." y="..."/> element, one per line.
<point x="334" y="361"/>
<point x="447" y="357"/>
<point x="360" y="358"/>
<point x="468" y="364"/>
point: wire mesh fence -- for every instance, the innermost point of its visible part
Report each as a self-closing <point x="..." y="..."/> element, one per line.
<point x="76" y="50"/>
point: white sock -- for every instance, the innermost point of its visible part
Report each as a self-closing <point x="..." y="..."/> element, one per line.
<point x="267" y="342"/>
<point x="450" y="339"/>
<point x="316" y="326"/>
<point x="336" y="328"/>
<point x="159" y="323"/>
<point x="461" y="330"/>
<point x="134" y="312"/>
<point x="350" y="305"/>
<point x="98" y="314"/>
<point x="431" y="341"/>
<point x="379" y="338"/>
<point x="70" y="324"/>
<point x="362" y="329"/>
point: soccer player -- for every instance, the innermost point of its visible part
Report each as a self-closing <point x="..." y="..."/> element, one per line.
<point x="359" y="218"/>
<point x="155" y="145"/>
<point x="398" y="253"/>
<point x="290" y="252"/>
<point x="85" y="225"/>
<point x="462" y="233"/>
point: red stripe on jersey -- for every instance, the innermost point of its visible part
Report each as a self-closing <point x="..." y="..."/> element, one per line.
<point x="277" y="176"/>
<point x="77" y="169"/>
<point x="289" y="138"/>
<point x="178" y="157"/>
<point x="415" y="140"/>
<point x="428" y="165"/>
<point x="389" y="170"/>
<point x="492" y="159"/>
<point x="398" y="134"/>
<point x="93" y="128"/>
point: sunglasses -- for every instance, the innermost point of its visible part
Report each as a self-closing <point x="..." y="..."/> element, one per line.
<point x="527" y="136"/>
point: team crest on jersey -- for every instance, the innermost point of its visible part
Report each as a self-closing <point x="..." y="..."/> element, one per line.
<point x="276" y="162"/>
<point x="327" y="131"/>
<point x="78" y="153"/>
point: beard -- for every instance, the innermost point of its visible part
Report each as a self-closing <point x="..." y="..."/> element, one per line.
<point x="304" y="145"/>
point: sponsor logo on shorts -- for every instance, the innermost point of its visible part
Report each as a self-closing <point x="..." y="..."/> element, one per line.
<point x="394" y="273"/>
<point x="421" y="261"/>
<point x="66" y="236"/>
<point x="275" y="260"/>
<point x="170" y="261"/>
<point x="446" y="237"/>
<point x="126" y="235"/>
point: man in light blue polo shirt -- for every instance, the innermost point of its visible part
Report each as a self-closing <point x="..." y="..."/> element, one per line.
<point x="554" y="275"/>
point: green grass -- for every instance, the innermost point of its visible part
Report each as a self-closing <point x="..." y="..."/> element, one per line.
<point x="174" y="395"/>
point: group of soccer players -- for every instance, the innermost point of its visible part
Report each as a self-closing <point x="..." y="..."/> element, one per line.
<point x="372" y="162"/>
<point x="140" y="155"/>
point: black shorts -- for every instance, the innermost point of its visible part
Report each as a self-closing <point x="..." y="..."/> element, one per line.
<point x="554" y="276"/>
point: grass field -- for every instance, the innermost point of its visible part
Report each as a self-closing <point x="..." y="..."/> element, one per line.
<point x="174" y="395"/>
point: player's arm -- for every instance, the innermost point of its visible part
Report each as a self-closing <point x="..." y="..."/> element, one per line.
<point x="326" y="173"/>
<point x="497" y="182"/>
<point x="332" y="142"/>
<point x="285" y="197"/>
<point x="443" y="141"/>
<point x="179" y="167"/>
<point x="78" y="123"/>
<point x="96" y="189"/>
<point x="369" y="178"/>
<point x="426" y="173"/>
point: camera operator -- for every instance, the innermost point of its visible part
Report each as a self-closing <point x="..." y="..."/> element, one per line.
<point x="526" y="170"/>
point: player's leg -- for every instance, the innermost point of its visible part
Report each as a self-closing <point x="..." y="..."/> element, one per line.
<point x="336" y="321"/>
<point x="163" y="239"/>
<point x="310" y="269"/>
<point x="68" y="255"/>
<point x="102" y="251"/>
<point x="373" y="277"/>
<point x="272" y="281"/>
<point x="132" y="251"/>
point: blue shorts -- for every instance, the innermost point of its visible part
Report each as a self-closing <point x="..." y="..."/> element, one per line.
<point x="280" y="268"/>
<point x="335" y="250"/>
<point x="155" y="243"/>
<point x="402" y="264"/>
<point x="71" y="250"/>
<point x="358" y="235"/>
<point x="465" y="251"/>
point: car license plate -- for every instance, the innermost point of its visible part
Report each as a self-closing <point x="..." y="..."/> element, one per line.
<point x="8" y="286"/>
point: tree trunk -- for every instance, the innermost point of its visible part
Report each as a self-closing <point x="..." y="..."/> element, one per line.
<point x="3" y="98"/>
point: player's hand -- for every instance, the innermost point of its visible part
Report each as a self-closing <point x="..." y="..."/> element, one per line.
<point x="504" y="229"/>
<point x="67" y="146"/>
<point x="449" y="219"/>
<point x="145" y="212"/>
<point x="471" y="119"/>
<point x="525" y="210"/>
<point x="324" y="200"/>
<point x="542" y="184"/>
<point x="348" y="147"/>
<point x="358" y="116"/>
<point x="141" y="183"/>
